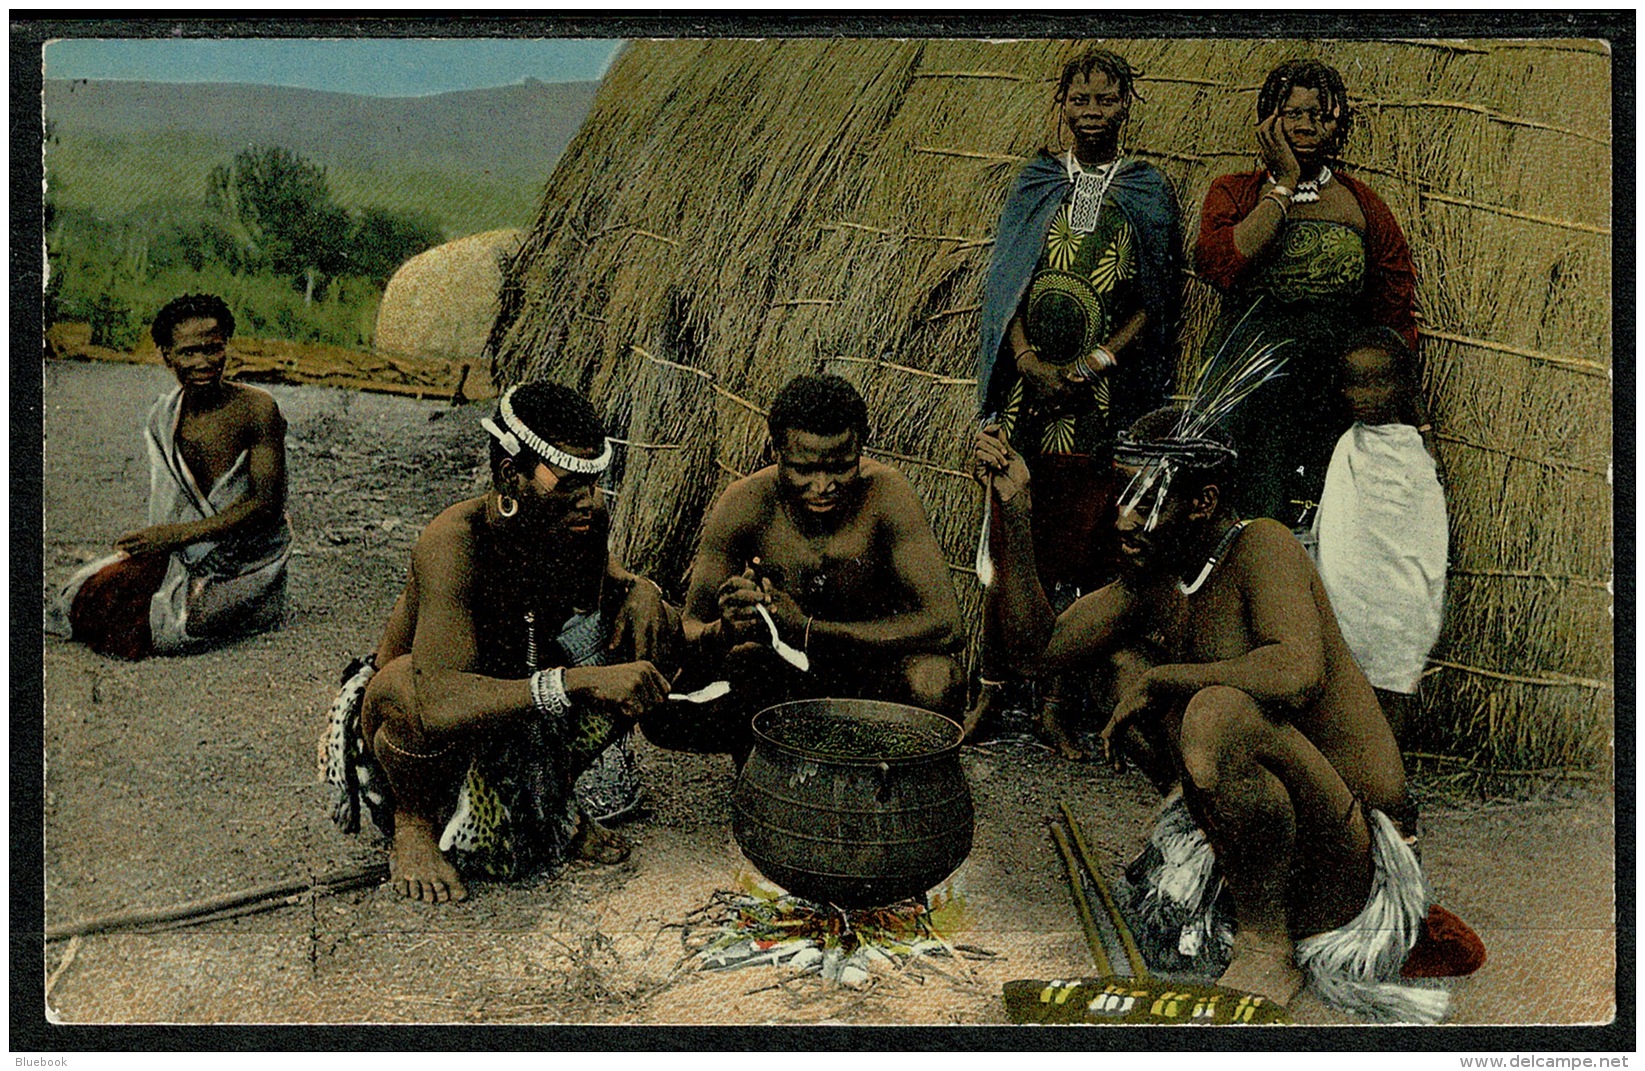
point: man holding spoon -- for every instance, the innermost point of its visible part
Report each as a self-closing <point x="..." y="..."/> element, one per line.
<point x="817" y="576"/>
<point x="519" y="650"/>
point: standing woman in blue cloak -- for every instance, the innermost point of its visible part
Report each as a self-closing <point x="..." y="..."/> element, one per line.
<point x="1078" y="328"/>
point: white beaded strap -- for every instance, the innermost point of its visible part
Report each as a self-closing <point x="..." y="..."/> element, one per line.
<point x="518" y="433"/>
<point x="548" y="694"/>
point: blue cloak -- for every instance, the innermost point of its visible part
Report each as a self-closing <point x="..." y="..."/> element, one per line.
<point x="1142" y="380"/>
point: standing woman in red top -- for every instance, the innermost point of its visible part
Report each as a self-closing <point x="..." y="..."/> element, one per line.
<point x="1301" y="252"/>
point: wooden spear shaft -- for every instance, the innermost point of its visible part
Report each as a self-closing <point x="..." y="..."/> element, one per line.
<point x="213" y="906"/>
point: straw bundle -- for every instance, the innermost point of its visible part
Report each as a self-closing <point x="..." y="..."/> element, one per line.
<point x="442" y="302"/>
<point x="734" y="213"/>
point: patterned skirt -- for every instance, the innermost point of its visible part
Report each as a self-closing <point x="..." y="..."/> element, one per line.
<point x="515" y="811"/>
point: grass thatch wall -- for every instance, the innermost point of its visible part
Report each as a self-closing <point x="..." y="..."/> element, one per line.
<point x="736" y="212"/>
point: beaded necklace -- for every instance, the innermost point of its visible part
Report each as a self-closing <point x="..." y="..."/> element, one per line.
<point x="1090" y="188"/>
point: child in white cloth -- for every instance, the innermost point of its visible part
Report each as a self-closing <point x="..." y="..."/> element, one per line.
<point x="1381" y="526"/>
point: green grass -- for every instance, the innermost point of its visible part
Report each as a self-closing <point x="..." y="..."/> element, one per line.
<point x="115" y="175"/>
<point x="116" y="194"/>
<point x="461" y="204"/>
<point x="120" y="304"/>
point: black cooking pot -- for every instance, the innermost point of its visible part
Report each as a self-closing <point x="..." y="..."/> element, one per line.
<point x="853" y="802"/>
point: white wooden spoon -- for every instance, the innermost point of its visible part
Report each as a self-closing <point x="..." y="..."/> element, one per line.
<point x="706" y="694"/>
<point x="798" y="659"/>
<point x="985" y="557"/>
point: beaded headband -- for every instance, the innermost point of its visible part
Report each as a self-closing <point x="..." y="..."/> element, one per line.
<point x="518" y="434"/>
<point x="1197" y="453"/>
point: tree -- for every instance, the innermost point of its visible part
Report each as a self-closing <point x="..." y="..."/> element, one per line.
<point x="186" y="236"/>
<point x="382" y="240"/>
<point x="284" y="202"/>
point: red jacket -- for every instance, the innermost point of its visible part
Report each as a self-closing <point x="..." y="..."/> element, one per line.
<point x="1390" y="283"/>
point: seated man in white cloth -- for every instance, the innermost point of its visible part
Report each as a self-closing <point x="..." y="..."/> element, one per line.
<point x="1382" y="537"/>
<point x="212" y="562"/>
<point x="518" y="652"/>
<point x="1233" y="681"/>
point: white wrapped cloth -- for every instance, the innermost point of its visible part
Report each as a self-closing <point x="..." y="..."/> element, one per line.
<point x="212" y="589"/>
<point x="1382" y="546"/>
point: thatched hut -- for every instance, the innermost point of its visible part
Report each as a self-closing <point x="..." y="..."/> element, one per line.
<point x="736" y="212"/>
<point x="443" y="301"/>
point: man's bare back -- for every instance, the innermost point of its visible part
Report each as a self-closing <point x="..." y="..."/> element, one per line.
<point x="1339" y="715"/>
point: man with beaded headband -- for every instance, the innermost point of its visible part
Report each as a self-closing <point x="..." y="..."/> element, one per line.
<point x="1233" y="690"/>
<point x="518" y="651"/>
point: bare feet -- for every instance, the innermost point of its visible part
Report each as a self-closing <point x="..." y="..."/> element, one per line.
<point x="597" y="844"/>
<point x="1264" y="964"/>
<point x="990" y="699"/>
<point x="416" y="865"/>
<point x="1056" y="733"/>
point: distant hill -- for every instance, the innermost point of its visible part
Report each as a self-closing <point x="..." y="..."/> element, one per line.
<point x="475" y="159"/>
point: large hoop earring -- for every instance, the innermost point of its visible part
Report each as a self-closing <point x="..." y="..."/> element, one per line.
<point x="507" y="507"/>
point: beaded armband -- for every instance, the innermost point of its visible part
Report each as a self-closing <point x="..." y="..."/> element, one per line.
<point x="548" y="694"/>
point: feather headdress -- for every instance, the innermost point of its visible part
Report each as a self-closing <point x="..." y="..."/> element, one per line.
<point x="1231" y="376"/>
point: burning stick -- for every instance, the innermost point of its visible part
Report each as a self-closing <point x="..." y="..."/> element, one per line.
<point x="827" y="940"/>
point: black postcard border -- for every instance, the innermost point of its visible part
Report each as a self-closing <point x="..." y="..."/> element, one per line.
<point x="31" y="1032"/>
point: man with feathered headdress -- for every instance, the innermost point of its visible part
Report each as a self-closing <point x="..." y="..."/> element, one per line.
<point x="518" y="652"/>
<point x="1236" y="694"/>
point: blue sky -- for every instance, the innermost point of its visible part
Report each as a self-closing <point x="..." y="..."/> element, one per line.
<point x="374" y="66"/>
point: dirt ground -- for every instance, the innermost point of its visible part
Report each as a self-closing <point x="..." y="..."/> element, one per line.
<point x="175" y="779"/>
